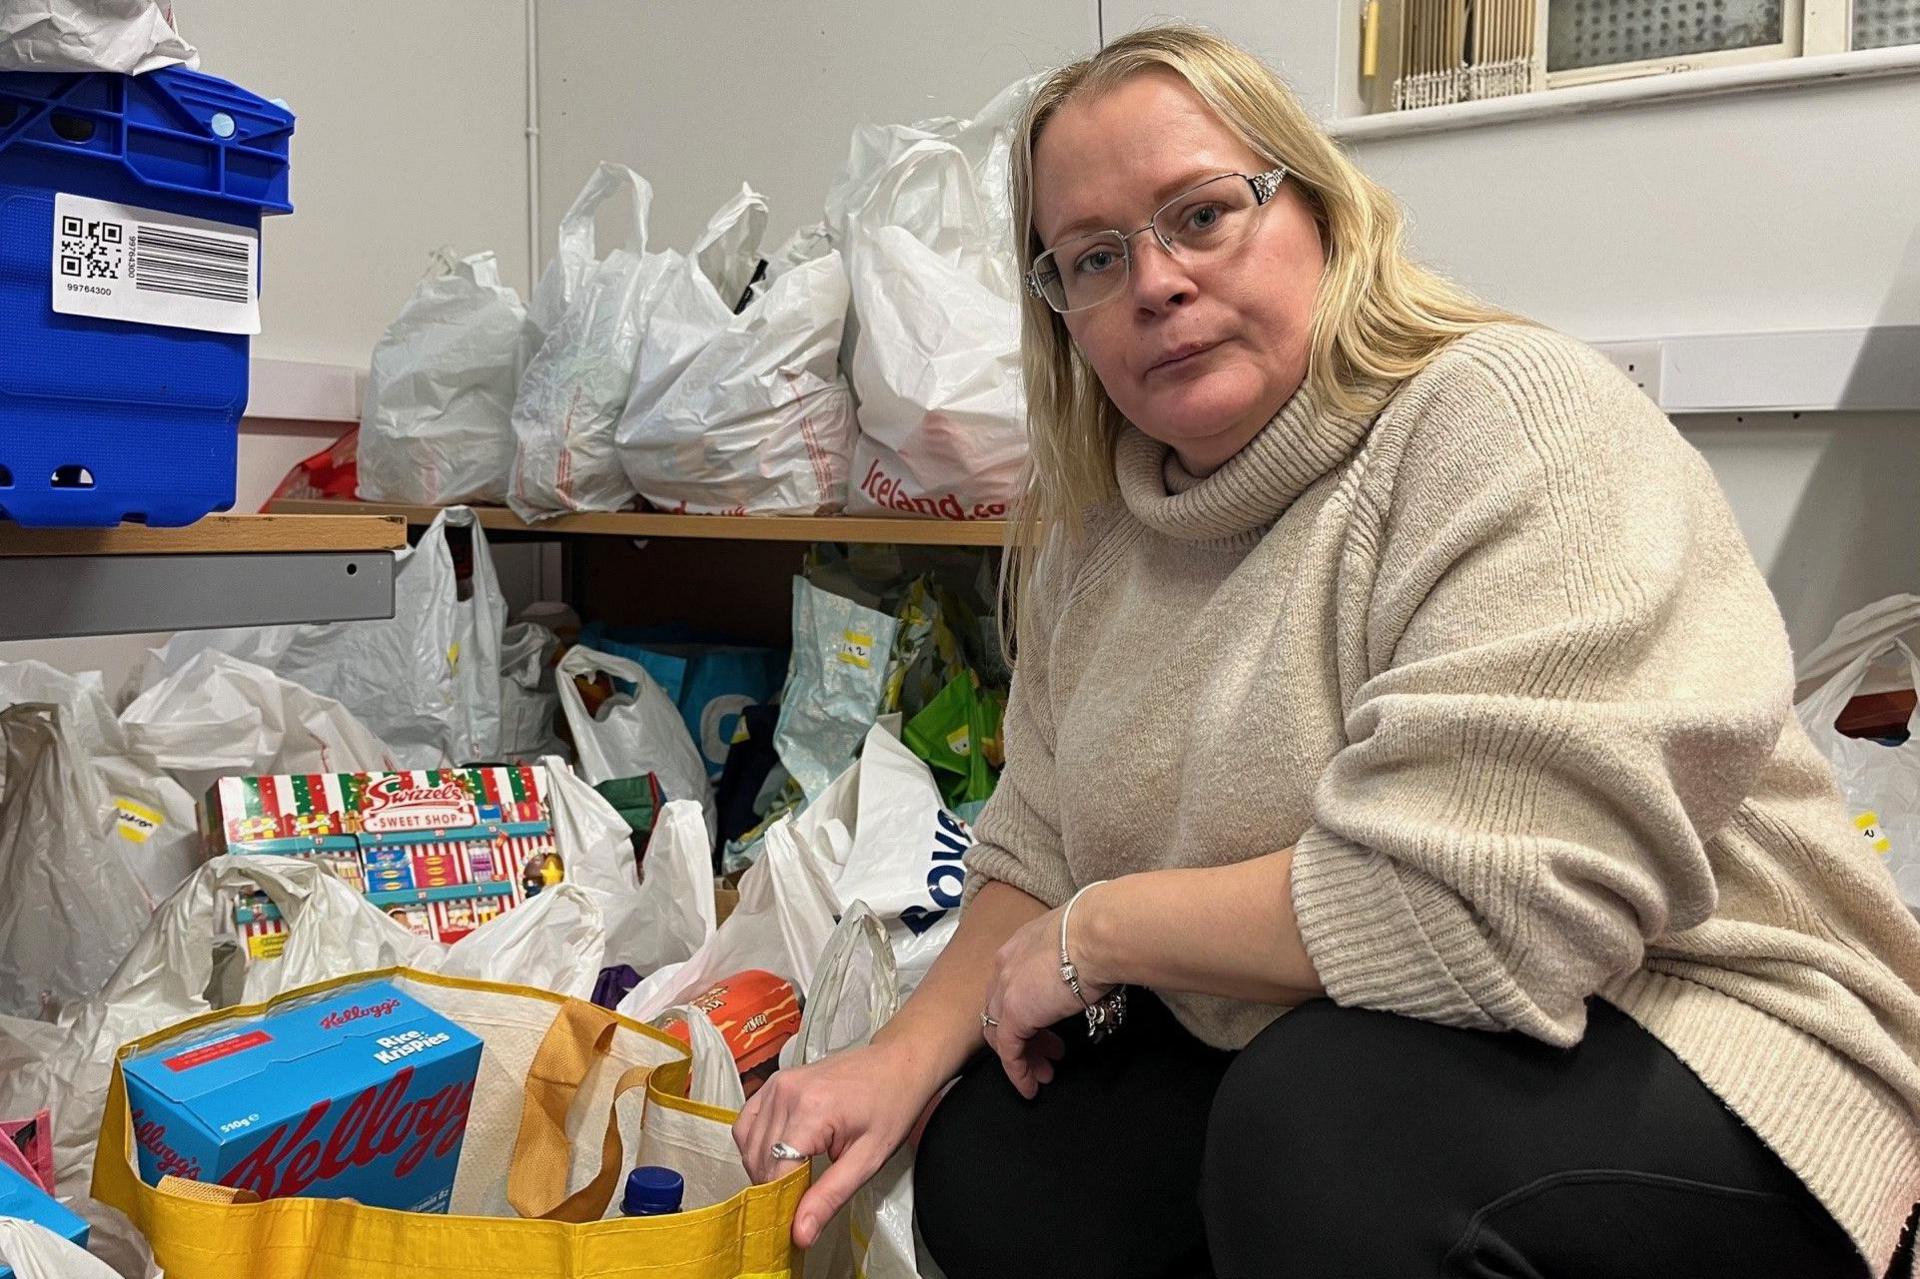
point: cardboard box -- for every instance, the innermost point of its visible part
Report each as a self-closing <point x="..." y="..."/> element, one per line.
<point x="19" y="1197"/>
<point x="360" y="1093"/>
<point x="441" y="850"/>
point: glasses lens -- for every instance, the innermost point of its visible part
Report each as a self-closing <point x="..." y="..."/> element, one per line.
<point x="1083" y="272"/>
<point x="1213" y="217"/>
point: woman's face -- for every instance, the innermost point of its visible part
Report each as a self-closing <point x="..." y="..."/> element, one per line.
<point x="1197" y="355"/>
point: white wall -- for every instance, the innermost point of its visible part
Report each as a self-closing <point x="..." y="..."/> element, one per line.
<point x="1299" y="40"/>
<point x="1791" y="208"/>
<point x="700" y="97"/>
<point x="410" y="134"/>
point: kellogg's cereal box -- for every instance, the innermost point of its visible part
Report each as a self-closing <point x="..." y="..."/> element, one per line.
<point x="358" y="1093"/>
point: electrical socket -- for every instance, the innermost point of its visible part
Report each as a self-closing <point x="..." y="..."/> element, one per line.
<point x="1642" y="362"/>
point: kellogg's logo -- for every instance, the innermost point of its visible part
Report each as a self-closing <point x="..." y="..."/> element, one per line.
<point x="375" y="1126"/>
<point x="168" y="1162"/>
<point x="390" y="804"/>
<point x="341" y="1016"/>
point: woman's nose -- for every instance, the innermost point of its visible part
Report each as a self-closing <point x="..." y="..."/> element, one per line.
<point x="1159" y="280"/>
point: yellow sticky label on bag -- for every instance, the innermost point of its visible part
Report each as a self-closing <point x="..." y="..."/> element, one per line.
<point x="1868" y="824"/>
<point x="856" y="649"/>
<point x="267" y="945"/>
<point x="135" y="821"/>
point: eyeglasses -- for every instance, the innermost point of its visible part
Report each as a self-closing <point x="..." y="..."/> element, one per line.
<point x="1207" y="222"/>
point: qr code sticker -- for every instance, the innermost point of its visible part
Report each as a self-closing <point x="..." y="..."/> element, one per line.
<point x="91" y="249"/>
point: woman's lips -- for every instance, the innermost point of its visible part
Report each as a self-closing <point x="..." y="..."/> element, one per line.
<point x="1180" y="355"/>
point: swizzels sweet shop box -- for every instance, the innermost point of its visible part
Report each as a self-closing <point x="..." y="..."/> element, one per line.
<point x="358" y="1093"/>
<point x="442" y="850"/>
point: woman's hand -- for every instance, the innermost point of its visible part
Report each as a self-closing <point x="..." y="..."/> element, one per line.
<point x="855" y="1107"/>
<point x="1026" y="995"/>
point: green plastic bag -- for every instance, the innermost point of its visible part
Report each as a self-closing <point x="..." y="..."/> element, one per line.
<point x="958" y="735"/>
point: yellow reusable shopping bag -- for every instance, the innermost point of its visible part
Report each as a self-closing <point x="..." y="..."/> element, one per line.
<point x="568" y="1097"/>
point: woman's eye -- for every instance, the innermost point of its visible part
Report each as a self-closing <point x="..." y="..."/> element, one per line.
<point x="1096" y="262"/>
<point x="1203" y="218"/>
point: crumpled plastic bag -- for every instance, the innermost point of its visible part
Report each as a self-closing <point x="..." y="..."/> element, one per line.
<point x="436" y="421"/>
<point x="886" y="838"/>
<point x="70" y="903"/>
<point x="781" y="924"/>
<point x="879" y="835"/>
<point x="590" y="312"/>
<point x="633" y="733"/>
<point x="218" y="716"/>
<point x="155" y="823"/>
<point x="759" y="422"/>
<point x="429" y="682"/>
<point x="957" y="735"/>
<point x="1881" y="782"/>
<point x="128" y="36"/>
<point x="691" y="297"/>
<point x="652" y="919"/>
<point x="835" y="684"/>
<point x="34" y="1252"/>
<point x="922" y="211"/>
<point x="673" y="912"/>
<point x="113" y="1238"/>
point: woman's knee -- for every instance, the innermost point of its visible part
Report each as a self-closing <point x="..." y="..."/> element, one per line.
<point x="1290" y="1140"/>
<point x="1303" y="1106"/>
<point x="1285" y="1095"/>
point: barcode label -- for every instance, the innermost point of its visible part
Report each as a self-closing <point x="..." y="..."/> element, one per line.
<point x="118" y="262"/>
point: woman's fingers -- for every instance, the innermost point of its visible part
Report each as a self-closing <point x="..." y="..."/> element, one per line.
<point x="1016" y="1061"/>
<point x="771" y="1120"/>
<point x="836" y="1185"/>
<point x="744" y="1126"/>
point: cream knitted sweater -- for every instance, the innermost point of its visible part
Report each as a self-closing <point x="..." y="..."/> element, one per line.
<point x="1500" y="668"/>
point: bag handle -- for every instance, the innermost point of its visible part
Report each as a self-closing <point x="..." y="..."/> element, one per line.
<point x="1819" y="712"/>
<point x="1864" y="629"/>
<point x="608" y="180"/>
<point x="716" y="1080"/>
<point x="542" y="1156"/>
<point x="859" y="929"/>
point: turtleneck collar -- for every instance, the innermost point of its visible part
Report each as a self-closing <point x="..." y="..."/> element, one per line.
<point x="1251" y="490"/>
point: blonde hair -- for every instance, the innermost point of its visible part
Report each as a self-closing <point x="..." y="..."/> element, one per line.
<point x="1379" y="317"/>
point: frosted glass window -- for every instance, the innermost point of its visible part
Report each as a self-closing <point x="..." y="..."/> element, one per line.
<point x="1600" y="33"/>
<point x="1879" y="23"/>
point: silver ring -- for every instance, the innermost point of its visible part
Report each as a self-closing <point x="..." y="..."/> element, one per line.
<point x="781" y="1150"/>
<point x="987" y="1020"/>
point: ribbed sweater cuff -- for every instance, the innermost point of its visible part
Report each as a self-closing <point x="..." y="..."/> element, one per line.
<point x="1387" y="937"/>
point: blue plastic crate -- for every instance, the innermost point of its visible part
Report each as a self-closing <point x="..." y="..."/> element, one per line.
<point x="104" y="420"/>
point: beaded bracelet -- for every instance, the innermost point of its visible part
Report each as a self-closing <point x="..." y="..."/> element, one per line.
<point x="1106" y="1014"/>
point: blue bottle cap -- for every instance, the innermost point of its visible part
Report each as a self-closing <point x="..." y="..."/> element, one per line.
<point x="652" y="1191"/>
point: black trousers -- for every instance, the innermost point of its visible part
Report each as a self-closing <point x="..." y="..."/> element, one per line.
<point x="1361" y="1145"/>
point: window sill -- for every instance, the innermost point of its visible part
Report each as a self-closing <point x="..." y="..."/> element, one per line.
<point x="1709" y="82"/>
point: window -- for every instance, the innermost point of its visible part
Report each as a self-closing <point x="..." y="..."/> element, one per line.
<point x="1422" y="53"/>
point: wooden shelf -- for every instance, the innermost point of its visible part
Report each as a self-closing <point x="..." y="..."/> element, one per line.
<point x="826" y="528"/>
<point x="216" y="535"/>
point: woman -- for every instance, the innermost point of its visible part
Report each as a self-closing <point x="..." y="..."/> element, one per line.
<point x="1394" y="666"/>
